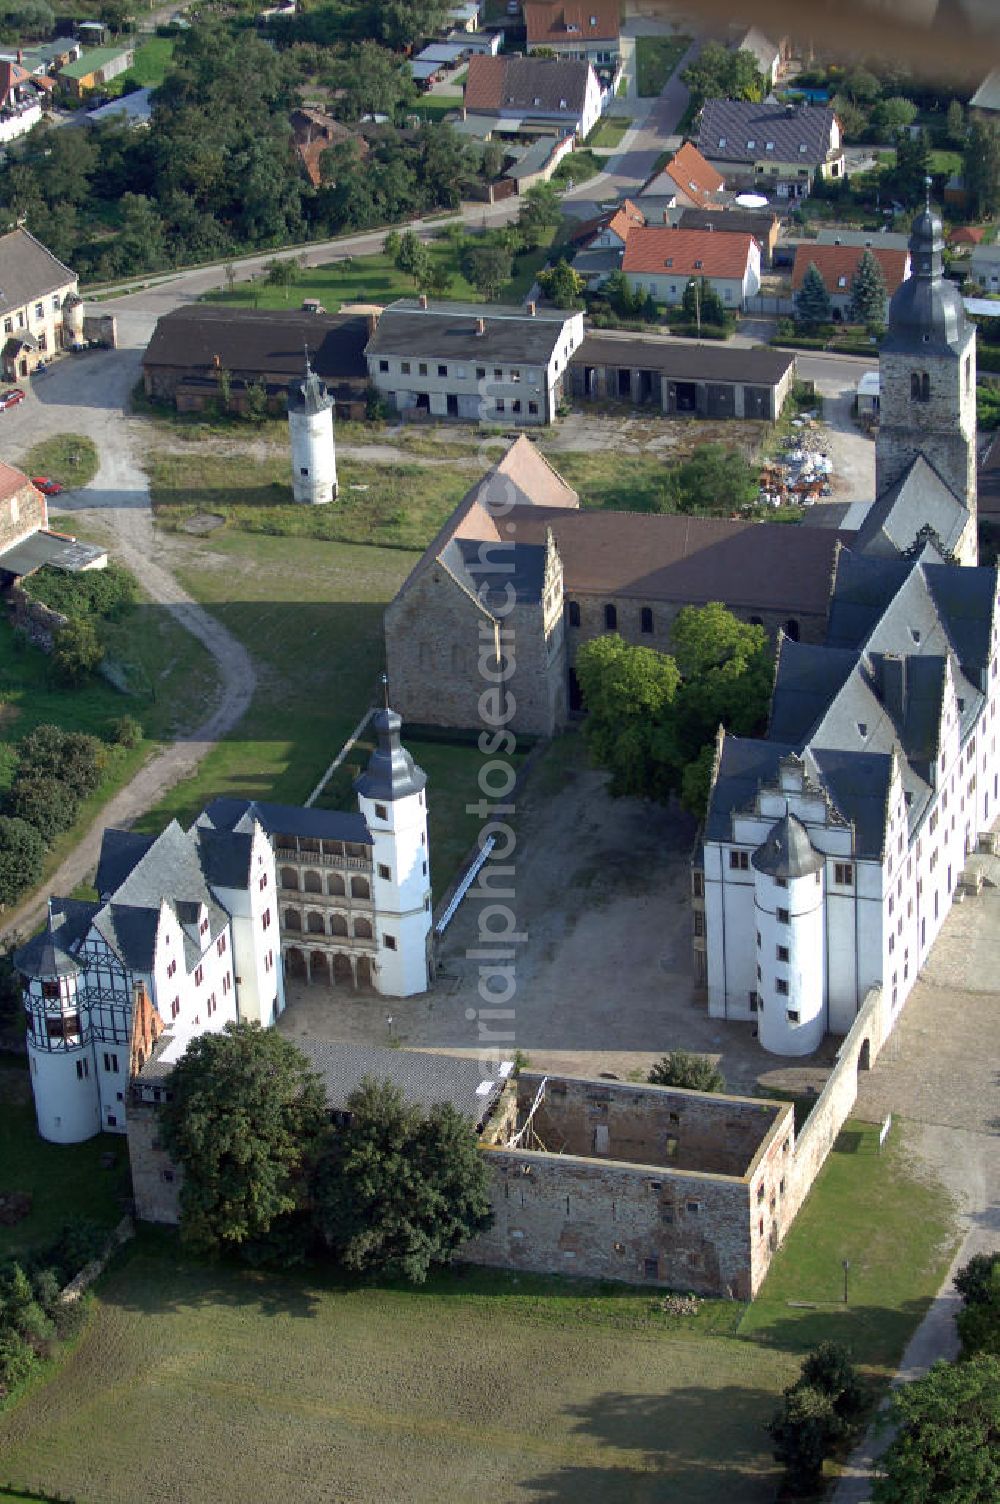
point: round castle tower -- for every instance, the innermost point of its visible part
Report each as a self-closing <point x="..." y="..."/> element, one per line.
<point x="310" y="426"/>
<point x="788" y="908"/>
<point x="392" y="799"/>
<point x="60" y="1055"/>
<point x="72" y="312"/>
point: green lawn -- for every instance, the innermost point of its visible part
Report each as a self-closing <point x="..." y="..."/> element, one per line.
<point x="656" y="58"/>
<point x="551" y="1389"/>
<point x="436" y="106"/>
<point x="152" y="62"/>
<point x="69" y="458"/>
<point x="375" y="279"/>
<point x="609" y="131"/>
<point x="65" y="1180"/>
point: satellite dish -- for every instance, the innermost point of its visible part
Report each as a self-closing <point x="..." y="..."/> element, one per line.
<point x="751" y="201"/>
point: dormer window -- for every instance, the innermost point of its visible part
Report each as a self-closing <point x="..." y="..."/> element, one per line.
<point x="669" y="261"/>
<point x="722" y="140"/>
<point x="751" y="144"/>
<point x="768" y="145"/>
<point x="915" y="633"/>
<point x="562" y="104"/>
<point x="961" y="705"/>
<point x="699" y="264"/>
<point x="841" y="281"/>
<point x="862" y="728"/>
<point x="803" y="148"/>
<point x="537" y="100"/>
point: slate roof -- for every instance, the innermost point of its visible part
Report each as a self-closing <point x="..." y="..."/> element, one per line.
<point x="448" y="331"/>
<point x="391" y="773"/>
<point x="553" y="86"/>
<point x="988" y="498"/>
<point x="858" y="785"/>
<point x="551" y="22"/>
<point x="787" y="852"/>
<point x="744" y="764"/>
<point x="120" y="851"/>
<point x="758" y="365"/>
<point x="987" y="96"/>
<point x="759" y="223"/>
<point x="28" y="270"/>
<point x="254" y="341"/>
<point x="834" y="262"/>
<point x="229" y="813"/>
<point x="807" y="677"/>
<point x="463" y="558"/>
<point x="866" y="239"/>
<point x="919" y="498"/>
<point x="662" y="250"/>
<point x="727" y="125"/>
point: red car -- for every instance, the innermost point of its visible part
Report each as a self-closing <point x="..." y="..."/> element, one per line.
<point x="11" y="398"/>
<point x="46" y="486"/>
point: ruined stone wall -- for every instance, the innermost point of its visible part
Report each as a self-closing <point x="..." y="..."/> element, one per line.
<point x="629" y="621"/>
<point x="156" y="1180"/>
<point x="38" y="622"/>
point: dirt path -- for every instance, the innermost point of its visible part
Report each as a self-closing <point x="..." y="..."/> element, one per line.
<point x="118" y="500"/>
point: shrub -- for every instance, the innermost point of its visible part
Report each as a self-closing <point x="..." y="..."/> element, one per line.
<point x="17" y="1359"/>
<point x="829" y="1368"/>
<point x="76" y="650"/>
<point x="127" y="731"/>
<point x="79" y="1242"/>
<point x="73" y="756"/>
<point x="45" y="802"/>
<point x="804" y="1430"/>
<point x="22" y="852"/>
<point x="974" y="1281"/>
<point x="96" y="592"/>
<point x="695" y="1072"/>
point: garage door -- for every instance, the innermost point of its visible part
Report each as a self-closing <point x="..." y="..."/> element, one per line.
<point x="720" y="400"/>
<point x="756" y="402"/>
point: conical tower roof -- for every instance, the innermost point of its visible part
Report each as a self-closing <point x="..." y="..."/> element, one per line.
<point x="926" y="314"/>
<point x="391" y="772"/>
<point x="787" y="852"/>
<point x="43" y="957"/>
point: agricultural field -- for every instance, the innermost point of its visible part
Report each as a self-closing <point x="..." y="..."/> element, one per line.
<point x="552" y="1390"/>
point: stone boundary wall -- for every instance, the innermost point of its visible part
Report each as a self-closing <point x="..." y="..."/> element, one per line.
<point x="860" y="1049"/>
<point x="39" y="623"/>
<point x="93" y="1271"/>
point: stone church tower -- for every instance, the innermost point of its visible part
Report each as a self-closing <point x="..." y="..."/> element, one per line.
<point x="314" y="455"/>
<point x="928" y="378"/>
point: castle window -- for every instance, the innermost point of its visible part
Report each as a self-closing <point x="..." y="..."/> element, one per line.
<point x="781" y="987"/>
<point x="390" y="942"/>
<point x="50" y="990"/>
<point x="380" y="812"/>
<point x="383" y="365"/>
<point x="920" y="386"/>
<point x="781" y="915"/>
<point x="610" y="618"/>
<point x="573" y="610"/>
<point x="699" y="923"/>
<point x="646" y="619"/>
<point x="782" y="952"/>
<point x="82" y="1070"/>
<point x="383" y="871"/>
<point x="793" y="1015"/>
<point x="739" y="861"/>
<point x="698" y="884"/>
<point x="843" y="873"/>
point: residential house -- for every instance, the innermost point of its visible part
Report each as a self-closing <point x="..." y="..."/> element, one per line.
<point x="770" y="147"/>
<point x="769" y="56"/>
<point x="35" y="292"/>
<point x="43" y="58"/>
<point x="315" y="132"/>
<point x="762" y="224"/>
<point x="589" y="29"/>
<point x="984" y="267"/>
<point x="564" y="93"/>
<point x="21" y="101"/>
<point x="481" y="362"/>
<point x="466" y="16"/>
<point x="837" y="265"/>
<point x="94" y="67"/>
<point x="198" y="352"/>
<point x="964" y="237"/>
<point x="662" y="261"/>
<point x="600" y="242"/>
<point x="985" y="103"/>
<point x="687" y="181"/>
<point x="864" y="239"/>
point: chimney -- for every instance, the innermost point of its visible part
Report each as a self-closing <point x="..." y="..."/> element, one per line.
<point x="423" y="300"/>
<point x="372" y="323"/>
<point x="20" y="55"/>
<point x="894" y="684"/>
<point x="532" y="310"/>
<point x="216" y="362"/>
<point x="480" y="327"/>
<point x="790" y="111"/>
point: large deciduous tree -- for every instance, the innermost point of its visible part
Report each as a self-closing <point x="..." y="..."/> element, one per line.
<point x="651" y="716"/>
<point x="22" y="852"/>
<point x="947" y="1443"/>
<point x="401" y="1189"/>
<point x="720" y="73"/>
<point x="562" y="285"/>
<point x="246" y="1122"/>
<point x="488" y="266"/>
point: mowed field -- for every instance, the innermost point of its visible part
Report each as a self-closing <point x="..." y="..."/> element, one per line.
<point x="201" y="1385"/>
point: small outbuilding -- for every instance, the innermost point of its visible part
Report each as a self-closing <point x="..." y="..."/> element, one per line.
<point x="683" y="379"/>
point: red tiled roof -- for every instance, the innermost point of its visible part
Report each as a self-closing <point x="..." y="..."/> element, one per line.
<point x="693" y="175"/>
<point x="316" y="133"/>
<point x="967" y="235"/>
<point x="592" y="21"/>
<point x="11" y="481"/>
<point x="484" y="82"/>
<point x="622" y="220"/>
<point x="657" y="248"/>
<point x="836" y="261"/>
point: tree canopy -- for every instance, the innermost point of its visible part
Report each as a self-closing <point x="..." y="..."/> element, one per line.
<point x="947" y="1445"/>
<point x="721" y="73"/>
<point x="694" y="1072"/>
<point x="812" y="301"/>
<point x="400" y="1189"/>
<point x="562" y="285"/>
<point x="868" y="293"/>
<point x="245" y="1122"/>
<point x="653" y="716"/>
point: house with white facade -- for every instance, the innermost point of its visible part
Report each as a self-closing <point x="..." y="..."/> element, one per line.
<point x="536" y="91"/>
<point x="206" y="923"/>
<point x="771" y="148"/>
<point x="661" y="260"/>
<point x="482" y="362"/>
<point x="40" y="306"/>
<point x="833" y="847"/>
<point x="589" y="29"/>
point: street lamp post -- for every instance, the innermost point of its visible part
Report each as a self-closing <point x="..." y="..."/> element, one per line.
<point x="697" y="303"/>
<point x="847" y="1266"/>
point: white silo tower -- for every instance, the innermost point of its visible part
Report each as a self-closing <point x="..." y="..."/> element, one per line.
<point x="314" y="453"/>
<point x="60" y="1053"/>
<point x="72" y="312"/>
<point x="392" y="798"/>
<point x="791" y="958"/>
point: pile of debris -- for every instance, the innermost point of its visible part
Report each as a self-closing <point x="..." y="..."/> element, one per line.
<point x="800" y="476"/>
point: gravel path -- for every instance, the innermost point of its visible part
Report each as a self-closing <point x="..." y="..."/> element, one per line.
<point x="118" y="500"/>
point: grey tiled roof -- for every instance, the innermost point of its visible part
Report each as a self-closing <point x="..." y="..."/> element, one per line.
<point x="227" y="813"/>
<point x="464" y="558"/>
<point x="52" y="952"/>
<point x="745" y="764"/>
<point x="28" y="270"/>
<point x="120" y="851"/>
<point x="807" y="677"/>
<point x="448" y="331"/>
<point x="130" y="931"/>
<point x="863" y="586"/>
<point x="225" y="857"/>
<point x="858" y="783"/>
<point x="728" y="124"/>
<point x="919" y="498"/>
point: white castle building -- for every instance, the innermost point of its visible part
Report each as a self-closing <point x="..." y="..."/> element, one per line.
<point x="201" y="919"/>
<point x="833" y="846"/>
<point x="310" y="428"/>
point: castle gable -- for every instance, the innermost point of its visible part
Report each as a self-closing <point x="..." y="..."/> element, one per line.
<point x="920" y="499"/>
